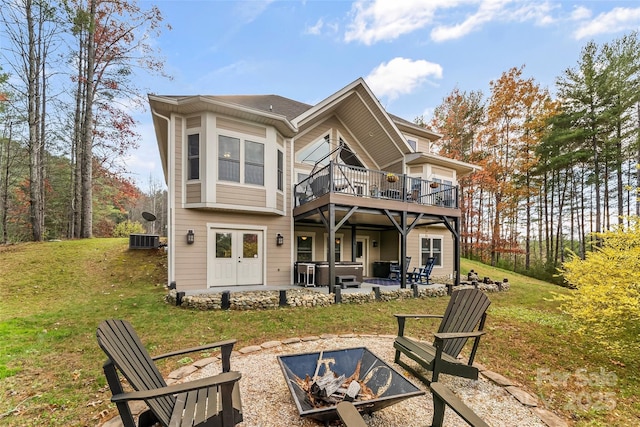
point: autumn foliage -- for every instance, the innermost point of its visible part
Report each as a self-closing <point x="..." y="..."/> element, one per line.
<point x="606" y="301"/>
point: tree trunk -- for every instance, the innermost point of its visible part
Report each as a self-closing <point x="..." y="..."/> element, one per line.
<point x="87" y="146"/>
<point x="33" y="117"/>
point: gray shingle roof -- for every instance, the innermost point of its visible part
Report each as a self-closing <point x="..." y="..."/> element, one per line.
<point x="270" y="103"/>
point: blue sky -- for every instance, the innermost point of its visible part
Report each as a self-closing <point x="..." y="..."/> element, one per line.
<point x="412" y="53"/>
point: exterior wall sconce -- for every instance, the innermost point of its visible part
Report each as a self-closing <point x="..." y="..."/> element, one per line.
<point x="279" y="240"/>
<point x="375" y="243"/>
<point x="190" y="237"/>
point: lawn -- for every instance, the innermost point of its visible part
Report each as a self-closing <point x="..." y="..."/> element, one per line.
<point x="54" y="294"/>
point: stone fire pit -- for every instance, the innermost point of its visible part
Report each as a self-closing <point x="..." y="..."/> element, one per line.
<point x="312" y="378"/>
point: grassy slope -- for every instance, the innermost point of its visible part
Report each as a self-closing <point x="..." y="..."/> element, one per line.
<point x="55" y="294"/>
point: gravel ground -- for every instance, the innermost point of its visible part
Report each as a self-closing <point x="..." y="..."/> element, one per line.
<point x="267" y="401"/>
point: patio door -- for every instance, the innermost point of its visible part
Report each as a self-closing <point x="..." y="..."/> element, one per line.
<point x="236" y="257"/>
<point x="362" y="253"/>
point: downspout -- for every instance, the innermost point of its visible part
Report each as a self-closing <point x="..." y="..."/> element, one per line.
<point x="170" y="201"/>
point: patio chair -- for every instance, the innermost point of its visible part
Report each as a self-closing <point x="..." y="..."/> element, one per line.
<point x="463" y="319"/>
<point x="442" y="397"/>
<point x="422" y="274"/>
<point x="395" y="269"/>
<point x="212" y="401"/>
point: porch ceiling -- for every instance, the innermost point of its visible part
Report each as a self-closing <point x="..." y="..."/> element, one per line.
<point x="371" y="212"/>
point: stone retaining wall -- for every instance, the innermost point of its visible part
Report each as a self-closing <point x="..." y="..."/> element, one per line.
<point x="265" y="300"/>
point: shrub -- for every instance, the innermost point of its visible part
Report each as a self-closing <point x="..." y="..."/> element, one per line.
<point x="606" y="300"/>
<point x="127" y="227"/>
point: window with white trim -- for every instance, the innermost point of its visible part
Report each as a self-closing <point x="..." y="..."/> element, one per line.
<point x="280" y="163"/>
<point x="431" y="246"/>
<point x="237" y="160"/>
<point x="304" y="247"/>
<point x="193" y="156"/>
<point x="253" y="163"/>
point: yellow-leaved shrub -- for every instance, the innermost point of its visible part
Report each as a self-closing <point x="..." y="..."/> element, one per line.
<point x="606" y="299"/>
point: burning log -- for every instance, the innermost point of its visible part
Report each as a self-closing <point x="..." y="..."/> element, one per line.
<point x="330" y="389"/>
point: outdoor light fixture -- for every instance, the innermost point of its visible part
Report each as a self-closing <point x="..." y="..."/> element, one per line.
<point x="279" y="240"/>
<point x="190" y="237"/>
<point x="375" y="243"/>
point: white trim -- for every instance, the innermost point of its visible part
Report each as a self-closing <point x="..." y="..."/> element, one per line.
<point x="366" y="252"/>
<point x="294" y="255"/>
<point x="431" y="237"/>
<point x="236" y="227"/>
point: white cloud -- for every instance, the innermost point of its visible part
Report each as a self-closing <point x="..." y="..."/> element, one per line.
<point x="616" y="20"/>
<point x="486" y="13"/>
<point x="401" y="76"/>
<point x="315" y="29"/>
<point x="382" y="20"/>
<point x="580" y="12"/>
<point x="389" y="19"/>
<point x="495" y="10"/>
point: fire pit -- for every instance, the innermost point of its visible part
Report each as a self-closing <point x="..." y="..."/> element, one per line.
<point x="319" y="381"/>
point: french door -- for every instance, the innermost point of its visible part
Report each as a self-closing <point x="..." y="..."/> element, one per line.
<point x="235" y="257"/>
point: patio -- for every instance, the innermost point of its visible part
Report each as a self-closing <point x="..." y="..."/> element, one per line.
<point x="267" y="400"/>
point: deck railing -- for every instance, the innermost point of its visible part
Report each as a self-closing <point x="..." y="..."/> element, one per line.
<point x="361" y="182"/>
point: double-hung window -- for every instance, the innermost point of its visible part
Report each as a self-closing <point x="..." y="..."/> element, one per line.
<point x="228" y="159"/>
<point x="280" y="178"/>
<point x="304" y="248"/>
<point x="193" y="156"/>
<point x="431" y="246"/>
<point x="253" y="163"/>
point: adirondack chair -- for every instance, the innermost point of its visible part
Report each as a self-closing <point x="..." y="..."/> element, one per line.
<point x="466" y="311"/>
<point x="422" y="274"/>
<point x="442" y="397"/>
<point x="212" y="401"/>
<point x="395" y="269"/>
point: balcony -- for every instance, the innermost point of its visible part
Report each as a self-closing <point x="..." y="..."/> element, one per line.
<point x="341" y="179"/>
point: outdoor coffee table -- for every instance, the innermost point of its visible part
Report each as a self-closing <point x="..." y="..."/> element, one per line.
<point x="312" y="377"/>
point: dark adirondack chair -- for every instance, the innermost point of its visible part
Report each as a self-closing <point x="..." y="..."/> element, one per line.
<point x="442" y="397"/>
<point x="422" y="274"/>
<point x="395" y="269"/>
<point x="212" y="401"/>
<point x="463" y="320"/>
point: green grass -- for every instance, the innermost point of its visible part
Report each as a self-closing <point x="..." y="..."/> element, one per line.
<point x="55" y="294"/>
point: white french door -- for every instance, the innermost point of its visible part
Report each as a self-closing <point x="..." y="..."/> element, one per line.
<point x="235" y="257"/>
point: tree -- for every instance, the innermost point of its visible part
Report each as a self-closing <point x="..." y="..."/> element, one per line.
<point x="606" y="301"/>
<point x="113" y="40"/>
<point x="459" y="119"/>
<point x="31" y="29"/>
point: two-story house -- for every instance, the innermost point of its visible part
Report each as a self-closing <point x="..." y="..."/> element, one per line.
<point x="259" y="183"/>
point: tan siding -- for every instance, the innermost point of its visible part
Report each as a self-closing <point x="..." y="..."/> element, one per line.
<point x="312" y="135"/>
<point x="415" y="170"/>
<point x="194" y="122"/>
<point x="442" y="171"/>
<point x="245" y="128"/>
<point x="279" y="201"/>
<point x="422" y="144"/>
<point x="194" y="192"/>
<point x="241" y="196"/>
<point x="414" y="250"/>
<point x="191" y="260"/>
